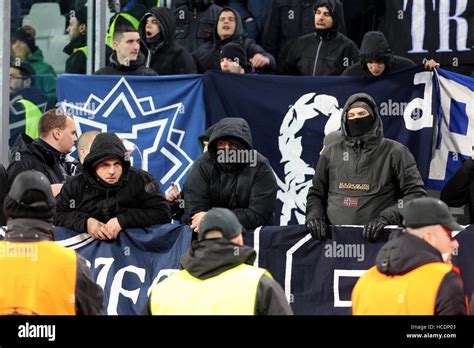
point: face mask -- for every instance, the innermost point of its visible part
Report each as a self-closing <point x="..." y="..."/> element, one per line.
<point x="359" y="126"/>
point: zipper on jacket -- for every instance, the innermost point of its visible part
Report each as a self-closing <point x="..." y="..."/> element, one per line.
<point x="317" y="55"/>
<point x="358" y="151"/>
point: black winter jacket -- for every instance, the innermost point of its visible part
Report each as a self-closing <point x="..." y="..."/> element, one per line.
<point x="375" y="46"/>
<point x="207" y="56"/>
<point x="249" y="190"/>
<point x="88" y="295"/>
<point x="360" y="178"/>
<point x="287" y="21"/>
<point x="136" y="67"/>
<point x="209" y="258"/>
<point x="3" y="193"/>
<point x="135" y="200"/>
<point x="77" y="61"/>
<point x="459" y="190"/>
<point x="405" y="252"/>
<point x="195" y="21"/>
<point x="165" y="56"/>
<point x="27" y="154"/>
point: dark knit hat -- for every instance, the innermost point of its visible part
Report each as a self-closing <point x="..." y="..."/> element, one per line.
<point x="30" y="197"/>
<point x="23" y="35"/>
<point x="359" y="103"/>
<point x="81" y="15"/>
<point x="22" y="65"/>
<point x="234" y="51"/>
<point x="222" y="220"/>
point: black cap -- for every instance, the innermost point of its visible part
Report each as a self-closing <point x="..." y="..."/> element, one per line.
<point x="30" y="197"/>
<point x="81" y="15"/>
<point x="220" y="219"/>
<point x="22" y="65"/>
<point x="23" y="35"/>
<point x="427" y="211"/>
<point x="234" y="51"/>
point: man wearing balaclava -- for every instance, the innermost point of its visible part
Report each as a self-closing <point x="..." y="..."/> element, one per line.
<point x="363" y="178"/>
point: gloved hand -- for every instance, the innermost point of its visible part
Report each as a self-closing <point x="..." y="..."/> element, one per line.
<point x="317" y="228"/>
<point x="373" y="228"/>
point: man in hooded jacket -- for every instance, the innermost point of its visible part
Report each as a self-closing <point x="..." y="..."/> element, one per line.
<point x="228" y="29"/>
<point x="110" y="196"/>
<point x="325" y="51"/>
<point x="363" y="177"/>
<point x="247" y="187"/>
<point x="157" y="32"/>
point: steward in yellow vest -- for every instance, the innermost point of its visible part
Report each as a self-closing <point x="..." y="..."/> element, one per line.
<point x="38" y="276"/>
<point x="218" y="277"/>
<point x="413" y="274"/>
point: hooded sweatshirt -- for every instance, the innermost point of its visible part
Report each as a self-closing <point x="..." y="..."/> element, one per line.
<point x="47" y="81"/>
<point x="375" y="47"/>
<point x="136" y="67"/>
<point x="322" y="52"/>
<point x="377" y="174"/>
<point x="207" y="56"/>
<point x="404" y="253"/>
<point x="248" y="189"/>
<point x="162" y="54"/>
<point x="209" y="258"/>
<point x="135" y="200"/>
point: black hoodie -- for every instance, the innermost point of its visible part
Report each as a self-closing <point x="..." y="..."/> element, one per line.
<point x="249" y="190"/>
<point x="375" y="47"/>
<point x="136" y="199"/>
<point x="406" y="252"/>
<point x="211" y="257"/>
<point x="207" y="56"/>
<point x="136" y="67"/>
<point x="162" y="54"/>
<point x="377" y="173"/>
<point x="322" y="52"/>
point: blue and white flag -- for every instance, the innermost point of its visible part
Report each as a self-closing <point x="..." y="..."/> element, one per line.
<point x="455" y="140"/>
<point x="158" y="118"/>
<point x="289" y="117"/>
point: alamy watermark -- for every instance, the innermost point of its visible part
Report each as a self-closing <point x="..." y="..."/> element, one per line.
<point x="19" y="250"/>
<point x="336" y="250"/>
<point x="234" y="156"/>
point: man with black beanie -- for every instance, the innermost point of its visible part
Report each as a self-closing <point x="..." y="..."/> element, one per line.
<point x="218" y="276"/>
<point x="234" y="59"/>
<point x="362" y="178"/>
<point x="76" y="49"/>
<point x="31" y="261"/>
<point x="110" y="195"/>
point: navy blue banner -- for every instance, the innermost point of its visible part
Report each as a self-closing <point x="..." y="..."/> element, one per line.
<point x="157" y="118"/>
<point x="289" y="117"/>
<point x="318" y="277"/>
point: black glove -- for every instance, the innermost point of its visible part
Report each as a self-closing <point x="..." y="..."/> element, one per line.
<point x="317" y="228"/>
<point x="373" y="228"/>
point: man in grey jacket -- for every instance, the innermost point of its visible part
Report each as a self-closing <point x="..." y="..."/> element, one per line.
<point x="363" y="177"/>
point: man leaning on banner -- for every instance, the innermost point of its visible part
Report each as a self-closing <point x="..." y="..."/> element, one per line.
<point x="110" y="195"/>
<point x="361" y="178"/>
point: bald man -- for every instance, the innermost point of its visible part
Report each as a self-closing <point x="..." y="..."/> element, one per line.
<point x="84" y="144"/>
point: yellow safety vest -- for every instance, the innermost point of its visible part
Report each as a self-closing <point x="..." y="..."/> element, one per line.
<point x="37" y="278"/>
<point x="32" y="117"/>
<point x="233" y="292"/>
<point x="413" y="293"/>
<point x="82" y="49"/>
<point x="109" y="39"/>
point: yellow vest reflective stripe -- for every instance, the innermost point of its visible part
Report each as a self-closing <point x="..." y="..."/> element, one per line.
<point x="32" y="117"/>
<point x="109" y="39"/>
<point x="82" y="49"/>
<point x="413" y="293"/>
<point x="37" y="278"/>
<point x="233" y="292"/>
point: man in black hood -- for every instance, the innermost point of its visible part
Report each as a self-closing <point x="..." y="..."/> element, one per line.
<point x="110" y="196"/>
<point x="228" y="29"/>
<point x="127" y="58"/>
<point x="47" y="278"/>
<point x="231" y="175"/>
<point x="218" y="277"/>
<point x="326" y="51"/>
<point x="363" y="177"/>
<point x="377" y="59"/>
<point x="157" y="32"/>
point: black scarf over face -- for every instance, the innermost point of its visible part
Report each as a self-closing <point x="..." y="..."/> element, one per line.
<point x="359" y="126"/>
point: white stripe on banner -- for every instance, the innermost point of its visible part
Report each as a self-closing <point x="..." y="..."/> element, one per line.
<point x="256" y="243"/>
<point x="76" y="241"/>
<point x="289" y="265"/>
<point x="338" y="273"/>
